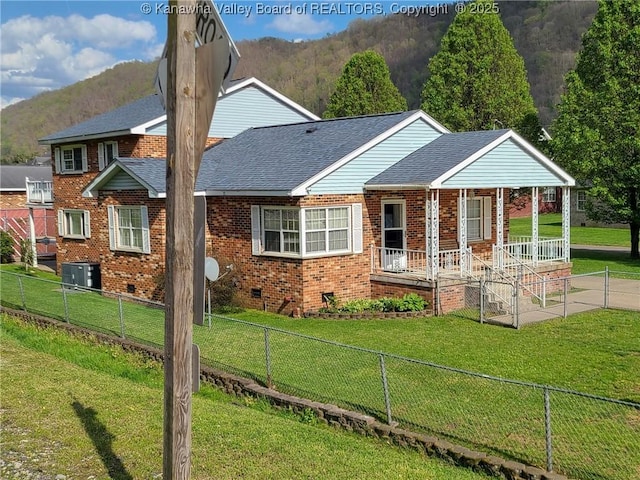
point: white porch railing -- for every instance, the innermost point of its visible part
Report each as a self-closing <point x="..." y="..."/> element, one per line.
<point x="529" y="280"/>
<point x="39" y="191"/>
<point x="395" y="260"/>
<point x="498" y="284"/>
<point x="503" y="268"/>
<point x="416" y="262"/>
<point x="521" y="250"/>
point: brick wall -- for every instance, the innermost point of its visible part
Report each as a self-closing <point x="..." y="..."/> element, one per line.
<point x="285" y="284"/>
<point x="13" y="199"/>
<point x="120" y="271"/>
<point x="136" y="273"/>
<point x="381" y="289"/>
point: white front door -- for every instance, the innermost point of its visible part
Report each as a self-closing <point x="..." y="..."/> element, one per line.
<point x="394" y="257"/>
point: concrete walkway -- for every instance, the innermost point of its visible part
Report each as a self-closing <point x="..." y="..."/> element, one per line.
<point x="587" y="293"/>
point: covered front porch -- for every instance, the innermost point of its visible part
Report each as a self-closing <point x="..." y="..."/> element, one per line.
<point x="444" y="215"/>
<point x="487" y="230"/>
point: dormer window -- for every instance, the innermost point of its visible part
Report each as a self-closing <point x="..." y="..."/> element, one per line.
<point x="107" y="153"/>
<point x="71" y="159"/>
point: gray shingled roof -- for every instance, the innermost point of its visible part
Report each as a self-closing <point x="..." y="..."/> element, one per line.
<point x="276" y="158"/>
<point x="280" y="158"/>
<point x="12" y="177"/>
<point x="150" y="170"/>
<point x="121" y="119"/>
<point x="436" y="158"/>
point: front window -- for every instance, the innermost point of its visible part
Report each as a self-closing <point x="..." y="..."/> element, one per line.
<point x="107" y="153"/>
<point x="74" y="223"/>
<point x="478" y="218"/>
<point x="474" y="218"/>
<point x="129" y="228"/>
<point x="327" y="229"/>
<point x="72" y="159"/>
<point x="281" y="230"/>
<point x="304" y="232"/>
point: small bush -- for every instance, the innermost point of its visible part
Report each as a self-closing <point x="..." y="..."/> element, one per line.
<point x="411" y="302"/>
<point x="26" y="253"/>
<point x="6" y="247"/>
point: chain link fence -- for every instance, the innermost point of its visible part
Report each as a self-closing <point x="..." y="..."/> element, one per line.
<point x="512" y="304"/>
<point x="576" y="434"/>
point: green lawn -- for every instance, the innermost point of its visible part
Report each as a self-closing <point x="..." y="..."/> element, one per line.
<point x="596" y="352"/>
<point x="619" y="263"/>
<point x="550" y="225"/>
<point x="96" y="412"/>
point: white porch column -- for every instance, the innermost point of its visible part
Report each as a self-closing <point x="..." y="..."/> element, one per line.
<point x="32" y="237"/>
<point x="433" y="234"/>
<point x="534" y="225"/>
<point x="499" y="226"/>
<point x="500" y="217"/>
<point x="462" y="229"/>
<point x="566" y="223"/>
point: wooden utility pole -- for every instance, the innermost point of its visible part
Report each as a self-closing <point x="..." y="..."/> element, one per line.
<point x="181" y="174"/>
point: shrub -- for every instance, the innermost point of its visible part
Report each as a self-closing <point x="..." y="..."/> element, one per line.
<point x="26" y="253"/>
<point x="411" y="302"/>
<point x="6" y="247"/>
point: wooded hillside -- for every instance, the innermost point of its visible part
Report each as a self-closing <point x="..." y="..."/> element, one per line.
<point x="546" y="33"/>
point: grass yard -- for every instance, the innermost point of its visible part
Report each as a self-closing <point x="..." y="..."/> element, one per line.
<point x="587" y="261"/>
<point x="596" y="352"/>
<point x="550" y="225"/>
<point x="96" y="412"/>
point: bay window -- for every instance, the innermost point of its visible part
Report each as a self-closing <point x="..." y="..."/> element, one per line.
<point x="303" y="232"/>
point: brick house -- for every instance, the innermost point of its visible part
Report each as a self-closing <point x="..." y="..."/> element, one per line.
<point x="351" y="207"/>
<point x="80" y="152"/>
<point x="26" y="207"/>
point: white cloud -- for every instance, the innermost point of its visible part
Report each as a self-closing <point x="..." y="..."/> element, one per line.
<point x="39" y="54"/>
<point x="300" y="23"/>
<point x="6" y="101"/>
<point x="109" y="32"/>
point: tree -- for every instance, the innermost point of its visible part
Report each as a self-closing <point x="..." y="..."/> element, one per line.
<point x="364" y="88"/>
<point x="477" y="81"/>
<point x="596" y="136"/>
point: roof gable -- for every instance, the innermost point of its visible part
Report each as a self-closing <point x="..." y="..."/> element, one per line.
<point x="145" y="173"/>
<point x="350" y="175"/>
<point x="147" y="115"/>
<point x="493" y="158"/>
<point x="285" y="158"/>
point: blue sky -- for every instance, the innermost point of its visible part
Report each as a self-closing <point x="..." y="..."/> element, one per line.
<point x="46" y="45"/>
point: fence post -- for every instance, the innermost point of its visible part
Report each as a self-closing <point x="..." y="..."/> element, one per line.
<point x="547" y="429"/>
<point x="66" y="305"/>
<point x="267" y="353"/>
<point x="516" y="302"/>
<point x="606" y="287"/>
<point x="385" y="389"/>
<point x="209" y="306"/>
<point x="121" y="313"/>
<point x="22" y="297"/>
<point x="544" y="292"/>
<point x="483" y="286"/>
<point x="565" y="289"/>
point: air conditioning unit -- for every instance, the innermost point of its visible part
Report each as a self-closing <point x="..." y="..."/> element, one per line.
<point x="81" y="274"/>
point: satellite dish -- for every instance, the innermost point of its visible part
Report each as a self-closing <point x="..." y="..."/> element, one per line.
<point x="211" y="269"/>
